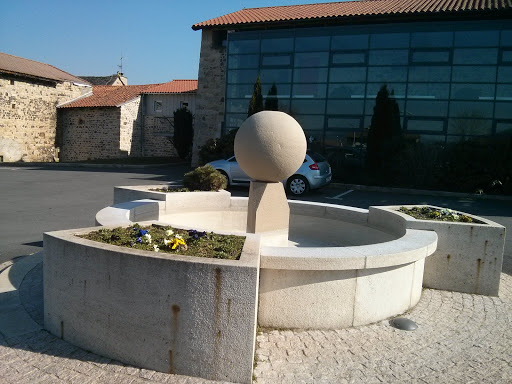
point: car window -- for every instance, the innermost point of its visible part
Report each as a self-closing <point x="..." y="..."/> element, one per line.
<point x="316" y="157"/>
<point x="233" y="159"/>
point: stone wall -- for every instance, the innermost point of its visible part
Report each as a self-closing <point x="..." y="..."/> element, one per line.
<point x="130" y="129"/>
<point x="28" y="117"/>
<point x="157" y="131"/>
<point x="89" y="133"/>
<point x="211" y="91"/>
<point x="100" y="132"/>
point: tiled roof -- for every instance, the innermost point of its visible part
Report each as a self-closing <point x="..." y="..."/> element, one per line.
<point x="108" y="96"/>
<point x="114" y="96"/>
<point x="34" y="69"/>
<point x="340" y="10"/>
<point x="100" y="80"/>
<point x="175" y="86"/>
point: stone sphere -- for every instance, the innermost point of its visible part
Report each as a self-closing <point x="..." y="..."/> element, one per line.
<point x="270" y="146"/>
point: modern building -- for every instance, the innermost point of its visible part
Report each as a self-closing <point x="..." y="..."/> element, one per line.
<point x="29" y="92"/>
<point x="448" y="64"/>
<point x="123" y="121"/>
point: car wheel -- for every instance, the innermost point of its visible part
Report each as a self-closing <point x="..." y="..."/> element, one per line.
<point x="225" y="175"/>
<point x="297" y="185"/>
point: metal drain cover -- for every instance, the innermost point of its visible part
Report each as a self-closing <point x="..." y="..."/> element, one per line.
<point x="403" y="324"/>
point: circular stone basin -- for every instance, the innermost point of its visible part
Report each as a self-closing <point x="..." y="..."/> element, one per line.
<point x="342" y="266"/>
<point x="305" y="231"/>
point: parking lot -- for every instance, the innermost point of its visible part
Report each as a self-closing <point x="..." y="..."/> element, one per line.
<point x="46" y="198"/>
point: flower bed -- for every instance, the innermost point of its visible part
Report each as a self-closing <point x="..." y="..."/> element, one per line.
<point x="444" y="214"/>
<point x="469" y="255"/>
<point x="171" y="189"/>
<point x="171" y="240"/>
<point x="154" y="310"/>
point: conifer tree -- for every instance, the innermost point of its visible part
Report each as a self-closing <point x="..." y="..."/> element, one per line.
<point x="271" y="102"/>
<point x="384" y="137"/>
<point x="183" y="132"/>
<point x="256" y="104"/>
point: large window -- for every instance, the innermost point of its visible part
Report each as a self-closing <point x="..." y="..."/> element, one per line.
<point x="450" y="80"/>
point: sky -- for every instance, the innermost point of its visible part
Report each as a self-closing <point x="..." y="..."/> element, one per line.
<point x="89" y="37"/>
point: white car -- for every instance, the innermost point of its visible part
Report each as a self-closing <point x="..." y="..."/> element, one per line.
<point x="314" y="173"/>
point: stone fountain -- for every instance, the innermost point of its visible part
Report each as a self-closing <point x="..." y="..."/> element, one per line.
<point x="304" y="265"/>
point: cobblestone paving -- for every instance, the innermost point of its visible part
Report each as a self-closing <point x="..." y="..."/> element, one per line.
<point x="461" y="338"/>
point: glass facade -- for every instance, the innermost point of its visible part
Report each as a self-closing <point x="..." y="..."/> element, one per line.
<point x="452" y="81"/>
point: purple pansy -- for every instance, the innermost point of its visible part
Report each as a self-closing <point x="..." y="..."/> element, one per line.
<point x="195" y="234"/>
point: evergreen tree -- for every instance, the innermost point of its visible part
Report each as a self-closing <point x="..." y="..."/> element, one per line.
<point x="271" y="102"/>
<point x="384" y="137"/>
<point x="256" y="104"/>
<point x="183" y="132"/>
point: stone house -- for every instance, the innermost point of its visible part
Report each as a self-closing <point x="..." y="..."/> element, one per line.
<point x="117" y="79"/>
<point x="29" y="93"/>
<point x="447" y="62"/>
<point x="159" y="104"/>
<point x="123" y="121"/>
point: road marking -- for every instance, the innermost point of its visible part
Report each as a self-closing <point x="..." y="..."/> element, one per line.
<point x="338" y="197"/>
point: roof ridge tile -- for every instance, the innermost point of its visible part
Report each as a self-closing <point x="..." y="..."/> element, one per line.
<point x="276" y="14"/>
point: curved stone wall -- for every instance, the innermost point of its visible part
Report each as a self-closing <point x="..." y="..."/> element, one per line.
<point x="176" y="314"/>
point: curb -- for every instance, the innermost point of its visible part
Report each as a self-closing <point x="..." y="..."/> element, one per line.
<point x="356" y="187"/>
<point x="14" y="319"/>
<point x="86" y="165"/>
<point x="409" y="191"/>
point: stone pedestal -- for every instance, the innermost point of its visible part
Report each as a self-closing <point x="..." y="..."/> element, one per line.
<point x="268" y="212"/>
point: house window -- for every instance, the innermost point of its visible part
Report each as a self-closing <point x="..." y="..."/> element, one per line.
<point x="157" y="106"/>
<point x="12" y="82"/>
<point x="183" y="104"/>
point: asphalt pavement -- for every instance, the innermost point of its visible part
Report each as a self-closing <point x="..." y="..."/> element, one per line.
<point x="45" y="198"/>
<point x="48" y="198"/>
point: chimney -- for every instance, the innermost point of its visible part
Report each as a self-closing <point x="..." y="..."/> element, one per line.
<point x="121" y="79"/>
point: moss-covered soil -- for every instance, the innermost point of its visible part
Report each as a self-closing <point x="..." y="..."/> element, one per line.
<point x="171" y="189"/>
<point x="158" y="238"/>
<point x="445" y="214"/>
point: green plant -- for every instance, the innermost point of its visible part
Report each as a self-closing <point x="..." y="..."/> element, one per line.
<point x="171" y="240"/>
<point x="431" y="213"/>
<point x="271" y="101"/>
<point x="385" y="134"/>
<point x="256" y="104"/>
<point x="183" y="132"/>
<point x="219" y="148"/>
<point x="205" y="178"/>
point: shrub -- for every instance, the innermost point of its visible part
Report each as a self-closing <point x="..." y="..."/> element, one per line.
<point x="384" y="137"/>
<point x="256" y="103"/>
<point x="220" y="148"/>
<point x="205" y="178"/>
<point x="183" y="132"/>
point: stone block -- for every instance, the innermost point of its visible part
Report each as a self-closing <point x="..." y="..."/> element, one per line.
<point x="311" y="258"/>
<point x="174" y="314"/>
<point x="384" y="292"/>
<point x="349" y="214"/>
<point x="307" y="208"/>
<point x="211" y="201"/>
<point x="268" y="208"/>
<point x="129" y="212"/>
<point x="468" y="258"/>
<point x="129" y="193"/>
<point x="306" y="299"/>
<point x="386" y="220"/>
